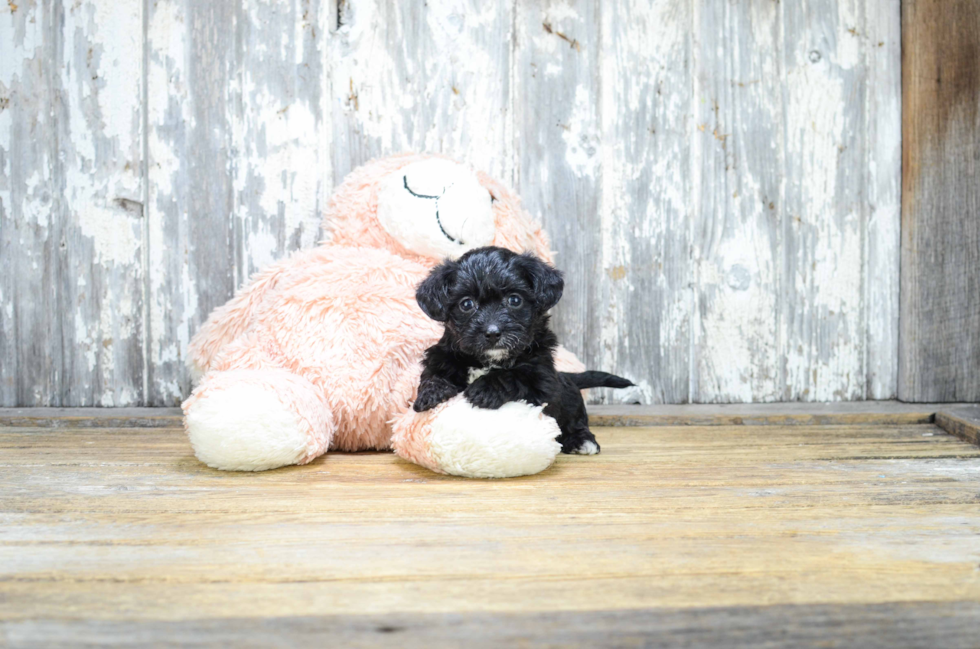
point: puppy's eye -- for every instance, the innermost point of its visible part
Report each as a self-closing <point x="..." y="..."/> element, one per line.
<point x="515" y="301"/>
<point x="467" y="305"/>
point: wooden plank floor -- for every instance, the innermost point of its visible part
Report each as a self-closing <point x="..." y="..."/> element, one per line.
<point x="717" y="536"/>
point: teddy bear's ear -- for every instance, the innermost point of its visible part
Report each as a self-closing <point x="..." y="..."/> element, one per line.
<point x="546" y="280"/>
<point x="433" y="293"/>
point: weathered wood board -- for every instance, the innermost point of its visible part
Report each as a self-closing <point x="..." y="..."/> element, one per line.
<point x="557" y="135"/>
<point x="961" y="421"/>
<point x="432" y="76"/>
<point x="720" y="180"/>
<point x="900" y="625"/>
<point x="71" y="212"/>
<point x="940" y="328"/>
<point x="837" y="413"/>
<point x="114" y="534"/>
<point x="238" y="168"/>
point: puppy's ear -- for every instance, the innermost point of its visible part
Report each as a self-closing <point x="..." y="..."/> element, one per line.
<point x="433" y="293"/>
<point x="545" y="280"/>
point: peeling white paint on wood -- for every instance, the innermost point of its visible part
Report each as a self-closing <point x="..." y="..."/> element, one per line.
<point x="28" y="195"/>
<point x="556" y="141"/>
<point x="785" y="107"/>
<point x="736" y="239"/>
<point x="101" y="158"/>
<point x="433" y="76"/>
<point x="282" y="164"/>
<point x="881" y="207"/>
<point x="646" y="194"/>
<point x="239" y="171"/>
<point x="720" y="180"/>
<point x="71" y="211"/>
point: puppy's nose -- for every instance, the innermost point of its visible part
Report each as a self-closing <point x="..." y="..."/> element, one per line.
<point x="493" y="333"/>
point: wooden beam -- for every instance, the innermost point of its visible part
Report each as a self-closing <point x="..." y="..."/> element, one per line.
<point x="871" y="626"/>
<point x="963" y="422"/>
<point x="940" y="310"/>
<point x="90" y="417"/>
<point x="853" y="413"/>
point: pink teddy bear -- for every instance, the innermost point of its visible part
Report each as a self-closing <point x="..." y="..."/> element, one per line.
<point x="321" y="351"/>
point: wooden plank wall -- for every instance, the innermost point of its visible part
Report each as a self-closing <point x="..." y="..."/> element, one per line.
<point x="71" y="211"/>
<point x="721" y="180"/>
<point x="940" y="320"/>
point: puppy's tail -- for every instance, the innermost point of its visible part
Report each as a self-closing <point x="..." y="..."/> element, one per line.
<point x="593" y="379"/>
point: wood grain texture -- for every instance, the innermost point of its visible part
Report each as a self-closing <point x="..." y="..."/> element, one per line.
<point x="951" y="625"/>
<point x="764" y="414"/>
<point x="113" y="529"/>
<point x="720" y="180"/>
<point x="71" y="205"/>
<point x="432" y="76"/>
<point x="191" y="67"/>
<point x="738" y="414"/>
<point x="940" y="319"/>
<point x="645" y="282"/>
<point x="881" y="208"/>
<point x="557" y="138"/>
<point x="91" y="417"/>
<point x="740" y="113"/>
<point x="30" y="197"/>
<point x="239" y="173"/>
<point x="786" y="261"/>
<point x="283" y="173"/>
<point x="101" y="155"/>
<point x="961" y="421"/>
<point x="824" y="326"/>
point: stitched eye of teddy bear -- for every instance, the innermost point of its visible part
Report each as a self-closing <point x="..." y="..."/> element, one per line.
<point x="437" y="208"/>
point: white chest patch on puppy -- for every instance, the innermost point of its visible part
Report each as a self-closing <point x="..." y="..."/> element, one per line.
<point x="496" y="355"/>
<point x="494" y="358"/>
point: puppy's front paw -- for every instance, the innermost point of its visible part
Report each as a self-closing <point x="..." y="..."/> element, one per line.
<point x="588" y="447"/>
<point x="433" y="393"/>
<point x="582" y="444"/>
<point x="484" y="393"/>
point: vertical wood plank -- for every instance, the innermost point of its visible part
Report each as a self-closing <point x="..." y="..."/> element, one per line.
<point x="557" y="132"/>
<point x="883" y="163"/>
<point x="738" y="167"/>
<point x="238" y="111"/>
<point x="644" y="274"/>
<point x="100" y="149"/>
<point x="785" y="309"/>
<point x="74" y="229"/>
<point x="940" y="319"/>
<point x="282" y="170"/>
<point x="422" y="76"/>
<point x="824" y="216"/>
<point x="192" y="66"/>
<point x="30" y="203"/>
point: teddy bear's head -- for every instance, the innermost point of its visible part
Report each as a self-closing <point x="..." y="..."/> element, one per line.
<point x="430" y="208"/>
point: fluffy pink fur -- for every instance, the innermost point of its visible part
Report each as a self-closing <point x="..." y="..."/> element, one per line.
<point x="335" y="331"/>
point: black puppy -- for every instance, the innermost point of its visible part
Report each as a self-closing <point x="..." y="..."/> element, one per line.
<point x="497" y="346"/>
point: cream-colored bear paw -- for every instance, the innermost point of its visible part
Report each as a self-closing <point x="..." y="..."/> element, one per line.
<point x="245" y="428"/>
<point x="514" y="440"/>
